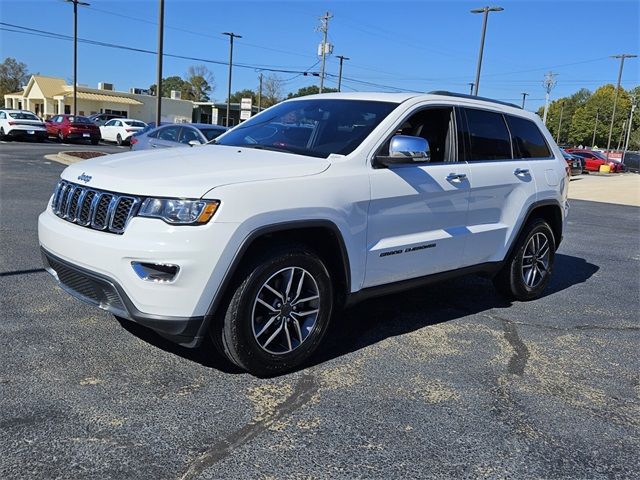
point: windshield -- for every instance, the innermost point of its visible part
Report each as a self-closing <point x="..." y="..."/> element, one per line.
<point x="316" y="128"/>
<point x="73" y="119"/>
<point x="23" y="116"/>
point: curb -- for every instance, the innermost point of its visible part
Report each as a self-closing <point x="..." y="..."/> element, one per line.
<point x="65" y="159"/>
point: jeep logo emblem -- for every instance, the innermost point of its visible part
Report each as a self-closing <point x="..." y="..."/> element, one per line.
<point x="85" y="178"/>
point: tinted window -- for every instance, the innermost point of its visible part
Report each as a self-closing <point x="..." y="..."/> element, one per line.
<point x="135" y="123"/>
<point x="3" y="115"/>
<point x="169" y="134"/>
<point x="488" y="135"/>
<point x="23" y="116"/>
<point x="73" y="119"/>
<point x="527" y="138"/>
<point x="187" y="134"/>
<point x="212" y="133"/>
<point x="316" y="127"/>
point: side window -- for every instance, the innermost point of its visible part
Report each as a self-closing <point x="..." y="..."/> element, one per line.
<point x="187" y="134"/>
<point x="437" y="126"/>
<point x="117" y="123"/>
<point x="110" y="123"/>
<point x="154" y="134"/>
<point x="3" y="115"/>
<point x="528" y="141"/>
<point x="487" y="135"/>
<point x="170" y="134"/>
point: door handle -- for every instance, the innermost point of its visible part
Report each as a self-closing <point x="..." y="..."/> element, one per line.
<point x="521" y="172"/>
<point x="456" y="177"/>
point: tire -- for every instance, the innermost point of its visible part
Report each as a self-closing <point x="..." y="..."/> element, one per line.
<point x="60" y="136"/>
<point x="252" y="334"/>
<point x="95" y="142"/>
<point x="3" y="136"/>
<point x="517" y="279"/>
<point x="119" y="140"/>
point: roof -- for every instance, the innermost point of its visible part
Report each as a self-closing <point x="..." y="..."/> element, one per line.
<point x="104" y="97"/>
<point x="50" y="86"/>
<point x="16" y="94"/>
<point x="371" y="96"/>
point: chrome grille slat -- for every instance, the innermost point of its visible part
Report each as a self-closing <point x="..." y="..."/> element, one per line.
<point x="91" y="208"/>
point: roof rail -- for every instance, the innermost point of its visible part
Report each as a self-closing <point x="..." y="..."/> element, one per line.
<point x="472" y="97"/>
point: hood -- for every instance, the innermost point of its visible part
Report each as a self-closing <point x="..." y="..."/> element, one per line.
<point x="189" y="172"/>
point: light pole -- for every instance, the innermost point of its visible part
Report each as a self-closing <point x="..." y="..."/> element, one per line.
<point x="626" y="142"/>
<point x="560" y="122"/>
<point x="231" y="37"/>
<point x="159" y="69"/>
<point x="615" y="98"/>
<point x="342" y="59"/>
<point x="595" y="128"/>
<point x="485" y="11"/>
<point x="524" y="97"/>
<point x="75" y="51"/>
<point x="260" y="95"/>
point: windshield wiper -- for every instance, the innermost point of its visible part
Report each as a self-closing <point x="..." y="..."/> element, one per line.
<point x="268" y="147"/>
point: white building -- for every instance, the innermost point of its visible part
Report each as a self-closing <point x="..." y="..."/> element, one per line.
<point x="48" y="96"/>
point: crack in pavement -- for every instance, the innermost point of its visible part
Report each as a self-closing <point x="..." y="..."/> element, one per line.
<point x="518" y="361"/>
<point x="305" y="389"/>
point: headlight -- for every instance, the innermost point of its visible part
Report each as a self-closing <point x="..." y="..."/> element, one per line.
<point x="179" y="212"/>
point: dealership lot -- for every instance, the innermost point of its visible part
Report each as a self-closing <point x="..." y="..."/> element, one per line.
<point x="444" y="381"/>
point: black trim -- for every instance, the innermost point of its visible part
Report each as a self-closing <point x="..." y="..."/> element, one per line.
<point x="532" y="207"/>
<point x="182" y="330"/>
<point x="254" y="235"/>
<point x="489" y="268"/>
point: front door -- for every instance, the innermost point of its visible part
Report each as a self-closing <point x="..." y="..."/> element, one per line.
<point x="418" y="212"/>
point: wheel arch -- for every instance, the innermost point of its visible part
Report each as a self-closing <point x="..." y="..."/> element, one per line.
<point x="550" y="211"/>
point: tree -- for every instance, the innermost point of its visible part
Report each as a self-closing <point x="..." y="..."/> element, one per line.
<point x="310" y="90"/>
<point x="13" y="75"/>
<point x="246" y="93"/>
<point x="571" y="104"/>
<point x="171" y="83"/>
<point x="271" y="90"/>
<point x="200" y="83"/>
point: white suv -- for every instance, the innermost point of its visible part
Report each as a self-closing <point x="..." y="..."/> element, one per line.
<point x="313" y="204"/>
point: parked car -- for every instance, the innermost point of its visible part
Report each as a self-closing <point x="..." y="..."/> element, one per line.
<point x="72" y="127"/>
<point x="632" y="161"/>
<point x="177" y="135"/>
<point x="574" y="162"/>
<point x="21" y="123"/>
<point x="258" y="240"/>
<point x="120" y="130"/>
<point x="101" y="118"/>
<point x="594" y="159"/>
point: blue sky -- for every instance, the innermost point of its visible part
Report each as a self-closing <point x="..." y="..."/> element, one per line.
<point x="423" y="45"/>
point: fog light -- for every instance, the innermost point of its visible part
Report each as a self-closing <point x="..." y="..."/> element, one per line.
<point x="155" y="272"/>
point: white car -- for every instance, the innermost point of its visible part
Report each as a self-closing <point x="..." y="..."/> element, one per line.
<point x="120" y="130"/>
<point x="21" y="123"/>
<point x="316" y="203"/>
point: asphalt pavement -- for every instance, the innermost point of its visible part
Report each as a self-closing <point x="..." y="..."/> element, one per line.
<point x="447" y="381"/>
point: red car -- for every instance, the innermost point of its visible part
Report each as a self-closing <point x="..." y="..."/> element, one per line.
<point x="73" y="127"/>
<point x="593" y="160"/>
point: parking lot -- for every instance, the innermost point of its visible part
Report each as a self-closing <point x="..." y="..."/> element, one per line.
<point x="446" y="381"/>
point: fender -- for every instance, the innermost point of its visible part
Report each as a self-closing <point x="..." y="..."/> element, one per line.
<point x="242" y="250"/>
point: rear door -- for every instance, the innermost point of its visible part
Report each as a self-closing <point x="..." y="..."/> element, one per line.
<point x="418" y="212"/>
<point x="166" y="137"/>
<point x="501" y="185"/>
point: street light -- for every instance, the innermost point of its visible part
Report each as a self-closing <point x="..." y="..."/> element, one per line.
<point x="231" y="37"/>
<point x="75" y="51"/>
<point x="485" y="11"/>
<point x="615" y="98"/>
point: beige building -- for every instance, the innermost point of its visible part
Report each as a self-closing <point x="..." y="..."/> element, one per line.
<point x="48" y="96"/>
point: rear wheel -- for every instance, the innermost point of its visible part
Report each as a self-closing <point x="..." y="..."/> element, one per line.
<point x="119" y="140"/>
<point x="278" y="312"/>
<point x="94" y="141"/>
<point x="527" y="271"/>
<point x="61" y="138"/>
<point x="3" y="136"/>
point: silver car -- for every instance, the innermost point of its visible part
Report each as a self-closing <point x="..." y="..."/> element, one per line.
<point x="176" y="135"/>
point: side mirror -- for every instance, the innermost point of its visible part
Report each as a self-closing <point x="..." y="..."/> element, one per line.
<point x="194" y="143"/>
<point x="405" y="149"/>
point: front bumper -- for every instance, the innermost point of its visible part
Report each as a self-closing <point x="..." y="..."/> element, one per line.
<point x="104" y="260"/>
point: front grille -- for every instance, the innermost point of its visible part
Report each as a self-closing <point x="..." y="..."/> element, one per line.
<point x="88" y="287"/>
<point x="96" y="209"/>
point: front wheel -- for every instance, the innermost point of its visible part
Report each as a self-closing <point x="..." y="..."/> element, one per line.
<point x="278" y="313"/>
<point x="119" y="140"/>
<point x="61" y="138"/>
<point x="527" y="270"/>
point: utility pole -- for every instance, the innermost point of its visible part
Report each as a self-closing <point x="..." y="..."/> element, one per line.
<point x="524" y="97"/>
<point x="342" y="59"/>
<point x="231" y="37"/>
<point x="75" y="52"/>
<point x="324" y="28"/>
<point x="595" y="127"/>
<point x="622" y="132"/>
<point x="471" y="84"/>
<point x="560" y="122"/>
<point x="159" y="72"/>
<point x="485" y="11"/>
<point x="615" y="98"/>
<point x="626" y="142"/>
<point x="549" y="82"/>
<point x="260" y="94"/>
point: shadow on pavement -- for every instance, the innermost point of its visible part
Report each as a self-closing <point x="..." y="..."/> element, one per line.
<point x="377" y="319"/>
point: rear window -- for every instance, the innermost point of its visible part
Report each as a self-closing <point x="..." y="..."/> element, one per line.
<point x="527" y="138"/>
<point x="73" y="119"/>
<point x="488" y="135"/>
<point x="211" y="133"/>
<point x="23" y="116"/>
<point x="136" y="123"/>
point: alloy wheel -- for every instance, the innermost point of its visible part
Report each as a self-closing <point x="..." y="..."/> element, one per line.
<point x="285" y="310"/>
<point x="536" y="260"/>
